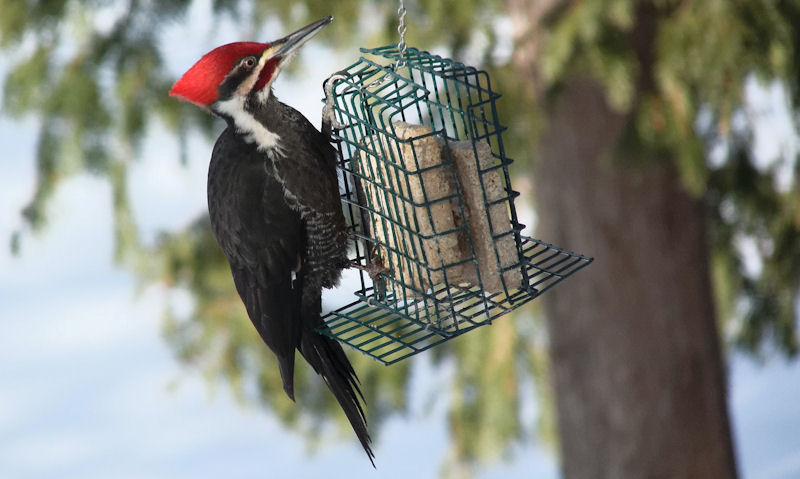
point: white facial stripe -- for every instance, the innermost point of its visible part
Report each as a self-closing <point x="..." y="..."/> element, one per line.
<point x="248" y="83"/>
<point x="264" y="57"/>
<point x="246" y="124"/>
<point x="263" y="94"/>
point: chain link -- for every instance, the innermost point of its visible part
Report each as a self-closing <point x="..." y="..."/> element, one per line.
<point x="401" y="48"/>
<point x="329" y="121"/>
<point x="401" y="29"/>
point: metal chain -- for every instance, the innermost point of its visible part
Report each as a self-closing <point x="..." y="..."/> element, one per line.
<point x="401" y="29"/>
<point x="329" y="121"/>
<point x="401" y="48"/>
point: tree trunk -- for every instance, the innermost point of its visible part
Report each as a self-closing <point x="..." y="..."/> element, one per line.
<point x="636" y="363"/>
<point x="638" y="375"/>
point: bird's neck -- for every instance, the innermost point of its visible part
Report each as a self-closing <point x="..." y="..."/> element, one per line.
<point x="249" y="119"/>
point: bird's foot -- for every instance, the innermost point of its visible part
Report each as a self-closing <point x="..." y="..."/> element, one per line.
<point x="374" y="270"/>
<point x="329" y="121"/>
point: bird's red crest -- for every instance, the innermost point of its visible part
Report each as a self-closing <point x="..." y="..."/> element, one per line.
<point x="200" y="83"/>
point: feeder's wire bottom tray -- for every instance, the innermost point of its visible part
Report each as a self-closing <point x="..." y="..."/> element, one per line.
<point x="389" y="336"/>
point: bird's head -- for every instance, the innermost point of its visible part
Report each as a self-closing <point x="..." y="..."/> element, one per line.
<point x="238" y="76"/>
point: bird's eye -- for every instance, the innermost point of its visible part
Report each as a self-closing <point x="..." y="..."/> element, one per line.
<point x="250" y="62"/>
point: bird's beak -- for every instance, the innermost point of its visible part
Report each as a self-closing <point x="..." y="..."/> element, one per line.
<point x="280" y="52"/>
<point x="285" y="47"/>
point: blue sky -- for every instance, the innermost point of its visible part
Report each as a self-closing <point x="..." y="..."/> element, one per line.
<point x="88" y="388"/>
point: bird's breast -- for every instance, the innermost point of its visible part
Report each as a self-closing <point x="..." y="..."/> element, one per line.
<point x="250" y="216"/>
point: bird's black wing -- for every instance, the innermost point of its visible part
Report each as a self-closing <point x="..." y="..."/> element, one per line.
<point x="309" y="168"/>
<point x="305" y="165"/>
<point x="262" y="238"/>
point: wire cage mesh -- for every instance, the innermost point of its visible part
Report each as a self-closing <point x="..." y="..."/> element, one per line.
<point x="426" y="190"/>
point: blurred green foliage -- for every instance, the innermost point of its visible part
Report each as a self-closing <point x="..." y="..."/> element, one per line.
<point x="702" y="56"/>
<point x="95" y="88"/>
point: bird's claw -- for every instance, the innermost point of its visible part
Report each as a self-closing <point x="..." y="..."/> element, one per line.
<point x="329" y="121"/>
<point x="374" y="270"/>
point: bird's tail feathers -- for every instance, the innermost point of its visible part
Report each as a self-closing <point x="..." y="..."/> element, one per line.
<point x="286" y="366"/>
<point x="329" y="361"/>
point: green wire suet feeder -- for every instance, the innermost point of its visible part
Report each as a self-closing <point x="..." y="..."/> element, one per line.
<point x="426" y="189"/>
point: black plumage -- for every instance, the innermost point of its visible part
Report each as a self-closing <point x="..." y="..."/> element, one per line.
<point x="276" y="214"/>
<point x="273" y="199"/>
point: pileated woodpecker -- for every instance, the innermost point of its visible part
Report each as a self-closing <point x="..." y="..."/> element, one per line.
<point x="273" y="199"/>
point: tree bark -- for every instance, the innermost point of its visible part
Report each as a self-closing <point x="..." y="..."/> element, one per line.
<point x="637" y="369"/>
<point x="636" y="363"/>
